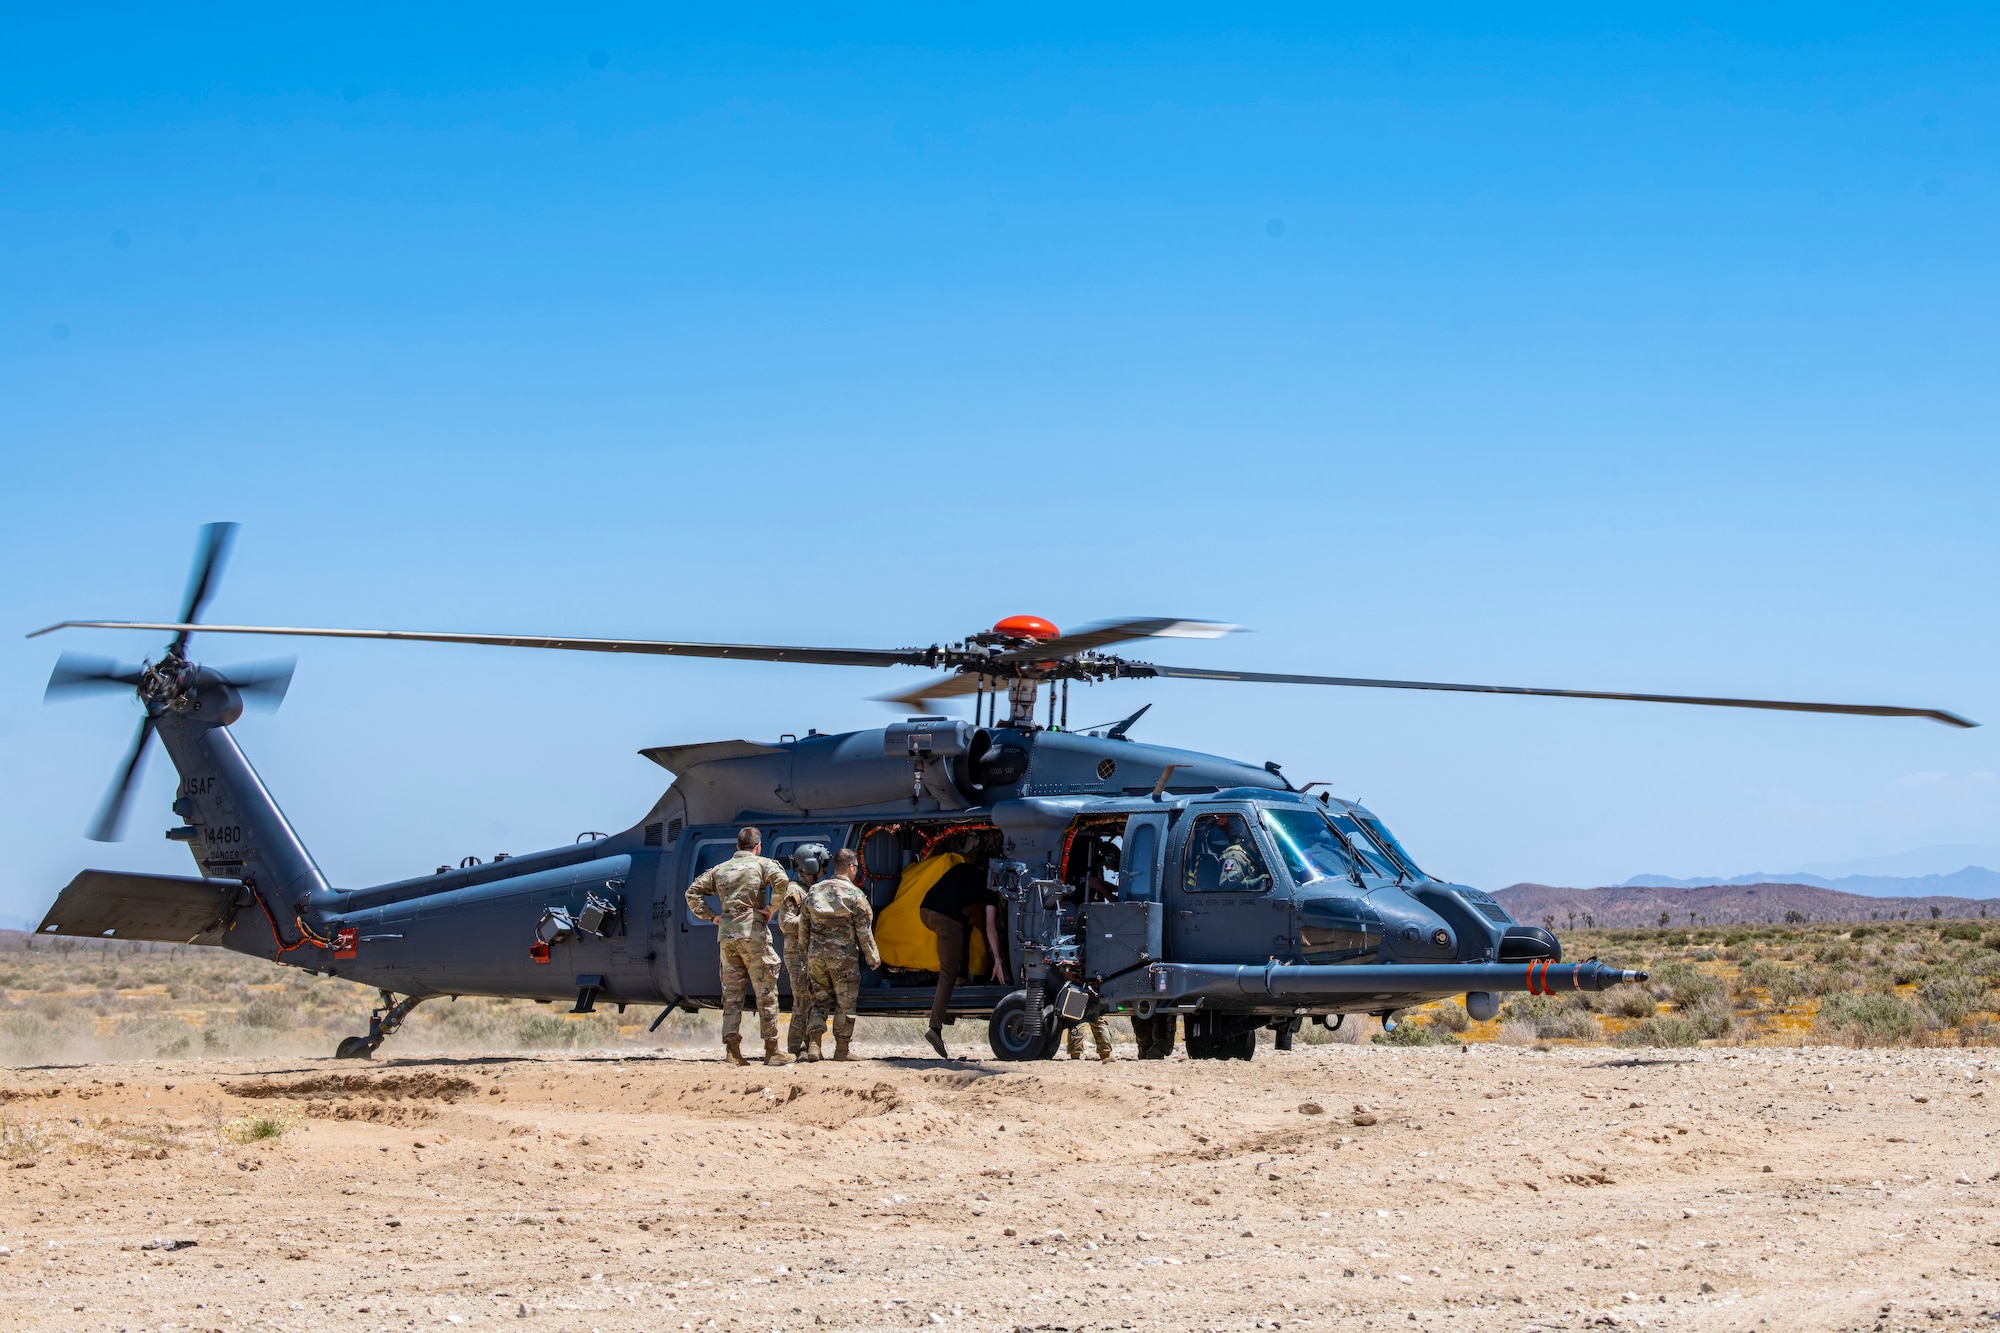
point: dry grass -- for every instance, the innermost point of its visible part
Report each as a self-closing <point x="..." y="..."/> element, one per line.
<point x="1881" y="984"/>
<point x="1903" y="983"/>
<point x="111" y="1000"/>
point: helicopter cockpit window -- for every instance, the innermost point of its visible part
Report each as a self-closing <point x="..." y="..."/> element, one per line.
<point x="1388" y="840"/>
<point x="1307" y="846"/>
<point x="1223" y="857"/>
<point x="1379" y="862"/>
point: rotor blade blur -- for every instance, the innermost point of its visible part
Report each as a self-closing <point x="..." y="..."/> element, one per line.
<point x="1093" y="637"/>
<point x="1777" y="705"/>
<point x="743" y="652"/>
<point x="262" y="683"/>
<point x="78" y="673"/>
<point x="209" y="558"/>
<point x="922" y="695"/>
<point x="105" y="827"/>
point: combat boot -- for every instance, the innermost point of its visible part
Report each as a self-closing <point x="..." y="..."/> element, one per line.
<point x="772" y="1055"/>
<point x="813" y="1055"/>
<point x="1106" y="1056"/>
<point x="732" y="1045"/>
<point x="840" y="1049"/>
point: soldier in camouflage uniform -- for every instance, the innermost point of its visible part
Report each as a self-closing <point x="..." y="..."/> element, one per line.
<point x="743" y="885"/>
<point x="1099" y="1033"/>
<point x="808" y="863"/>
<point x="1097" y="890"/>
<point x="840" y="938"/>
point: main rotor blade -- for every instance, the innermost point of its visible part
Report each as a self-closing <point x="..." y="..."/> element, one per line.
<point x="262" y="683"/>
<point x="209" y="558"/>
<point x="78" y="673"/>
<point x="922" y="694"/>
<point x="748" y="652"/>
<point x="1780" y="705"/>
<point x="1092" y="637"/>
<point x="111" y="814"/>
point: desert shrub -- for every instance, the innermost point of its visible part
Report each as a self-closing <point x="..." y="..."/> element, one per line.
<point x="1909" y="973"/>
<point x="1870" y="1020"/>
<point x="1713" y="1016"/>
<point x="1571" y="1025"/>
<point x="273" y="1123"/>
<point x="1791" y="985"/>
<point x="1633" y="1002"/>
<point x="1951" y="996"/>
<point x="1450" y="1017"/>
<point x="1963" y="931"/>
<point x="1414" y="1034"/>
<point x="1860" y="933"/>
<point x="1551" y="1017"/>
<point x="1686" y="985"/>
<point x="1664" y="1030"/>
<point x="1517" y="1032"/>
<point x="1529" y="1008"/>
<point x="1760" y="975"/>
<point x="1834" y="980"/>
<point x="273" y="1013"/>
<point x="549" y="1031"/>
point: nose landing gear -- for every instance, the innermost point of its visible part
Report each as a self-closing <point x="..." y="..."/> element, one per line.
<point x="382" y="1023"/>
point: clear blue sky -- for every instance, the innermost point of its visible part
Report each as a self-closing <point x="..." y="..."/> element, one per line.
<point x="1494" y="347"/>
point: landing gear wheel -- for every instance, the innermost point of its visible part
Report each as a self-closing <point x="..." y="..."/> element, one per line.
<point x="1007" y="1031"/>
<point x="354" y="1048"/>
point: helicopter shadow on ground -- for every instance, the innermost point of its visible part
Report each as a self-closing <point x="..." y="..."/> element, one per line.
<point x="1639" y="1062"/>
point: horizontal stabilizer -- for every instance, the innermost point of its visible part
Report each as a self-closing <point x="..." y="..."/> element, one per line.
<point x="168" y="908"/>
<point x="680" y="758"/>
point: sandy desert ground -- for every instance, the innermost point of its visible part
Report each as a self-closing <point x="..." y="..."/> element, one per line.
<point x="1481" y="1187"/>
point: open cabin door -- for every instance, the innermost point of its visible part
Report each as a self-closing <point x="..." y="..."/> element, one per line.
<point x="1126" y="934"/>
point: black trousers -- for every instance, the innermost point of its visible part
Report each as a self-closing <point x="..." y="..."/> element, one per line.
<point x="950" y="932"/>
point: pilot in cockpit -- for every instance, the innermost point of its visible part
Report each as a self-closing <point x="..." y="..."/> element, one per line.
<point x="1226" y="858"/>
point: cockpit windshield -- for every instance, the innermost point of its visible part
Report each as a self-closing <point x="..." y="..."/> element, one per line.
<point x="1307" y="846"/>
<point x="1388" y="840"/>
<point x="1380" y="862"/>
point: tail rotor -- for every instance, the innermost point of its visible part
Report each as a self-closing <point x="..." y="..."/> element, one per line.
<point x="170" y="684"/>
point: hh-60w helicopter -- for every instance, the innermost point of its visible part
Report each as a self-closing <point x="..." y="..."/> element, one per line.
<point x="1241" y="902"/>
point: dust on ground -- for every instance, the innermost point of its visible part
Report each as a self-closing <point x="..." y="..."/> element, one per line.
<point x="1333" y="1186"/>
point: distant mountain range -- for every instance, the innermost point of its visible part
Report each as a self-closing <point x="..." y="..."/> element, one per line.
<point x="1971" y="882"/>
<point x="1636" y="904"/>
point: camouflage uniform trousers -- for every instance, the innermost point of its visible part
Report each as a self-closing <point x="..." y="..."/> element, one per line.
<point x="836" y="986"/>
<point x="805" y="1005"/>
<point x="755" y="963"/>
<point x="1099" y="1033"/>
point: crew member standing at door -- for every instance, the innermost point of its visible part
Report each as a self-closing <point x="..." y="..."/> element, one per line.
<point x="807" y="863"/>
<point x="958" y="902"/>
<point x="743" y="885"/>
<point x="841" y="937"/>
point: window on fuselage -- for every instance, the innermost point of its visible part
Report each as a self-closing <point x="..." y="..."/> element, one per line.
<point x="707" y="856"/>
<point x="1222" y="857"/>
<point x="1379" y="862"/>
<point x="1388" y="840"/>
<point x="1307" y="846"/>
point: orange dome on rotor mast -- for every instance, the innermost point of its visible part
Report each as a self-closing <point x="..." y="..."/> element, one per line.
<point x="1027" y="627"/>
